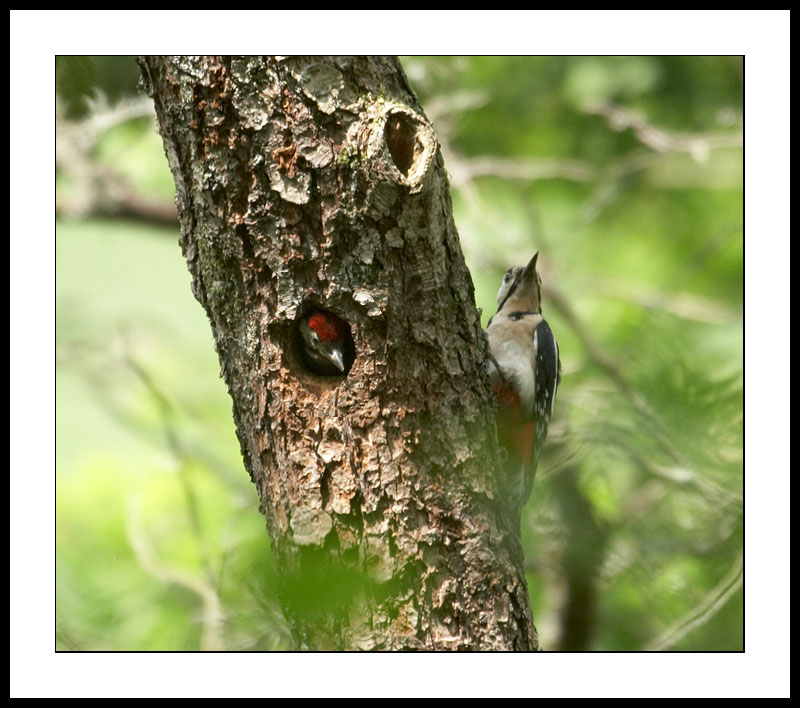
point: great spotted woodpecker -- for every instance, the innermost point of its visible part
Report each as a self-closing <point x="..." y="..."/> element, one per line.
<point x="325" y="343"/>
<point x="525" y="371"/>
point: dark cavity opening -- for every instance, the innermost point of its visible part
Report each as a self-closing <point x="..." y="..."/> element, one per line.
<point x="401" y="137"/>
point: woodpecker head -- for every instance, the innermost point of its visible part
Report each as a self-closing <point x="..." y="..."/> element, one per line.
<point x="521" y="288"/>
<point x="325" y="343"/>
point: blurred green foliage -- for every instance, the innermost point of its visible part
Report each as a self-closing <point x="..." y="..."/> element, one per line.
<point x="83" y="80"/>
<point x="624" y="172"/>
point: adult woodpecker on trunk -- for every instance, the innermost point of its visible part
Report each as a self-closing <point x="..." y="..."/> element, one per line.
<point x="525" y="371"/>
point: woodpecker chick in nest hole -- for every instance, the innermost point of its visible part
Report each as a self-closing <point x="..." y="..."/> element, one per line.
<point x="325" y="343"/>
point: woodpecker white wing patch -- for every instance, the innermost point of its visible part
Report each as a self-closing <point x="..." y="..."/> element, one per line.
<point x="537" y="398"/>
<point x="547" y="367"/>
<point x="556" y="377"/>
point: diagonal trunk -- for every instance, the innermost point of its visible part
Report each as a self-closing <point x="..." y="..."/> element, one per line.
<point x="317" y="182"/>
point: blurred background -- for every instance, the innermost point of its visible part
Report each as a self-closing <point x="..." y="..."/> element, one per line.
<point x="624" y="172"/>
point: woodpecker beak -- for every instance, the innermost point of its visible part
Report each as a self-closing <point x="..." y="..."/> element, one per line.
<point x="532" y="264"/>
<point x="337" y="357"/>
<point x="529" y="276"/>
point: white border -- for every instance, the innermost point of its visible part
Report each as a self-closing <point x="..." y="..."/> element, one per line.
<point x="763" y="36"/>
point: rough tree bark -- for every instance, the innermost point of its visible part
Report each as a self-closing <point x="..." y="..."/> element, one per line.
<point x="317" y="182"/>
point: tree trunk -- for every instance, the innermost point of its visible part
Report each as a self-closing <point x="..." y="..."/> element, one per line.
<point x="317" y="182"/>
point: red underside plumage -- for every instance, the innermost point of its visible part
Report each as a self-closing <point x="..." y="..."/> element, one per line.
<point x="515" y="432"/>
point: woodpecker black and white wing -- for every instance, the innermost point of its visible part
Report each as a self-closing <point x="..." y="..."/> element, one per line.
<point x="547" y="367"/>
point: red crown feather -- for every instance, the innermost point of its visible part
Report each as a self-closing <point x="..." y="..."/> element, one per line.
<point x="328" y="327"/>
